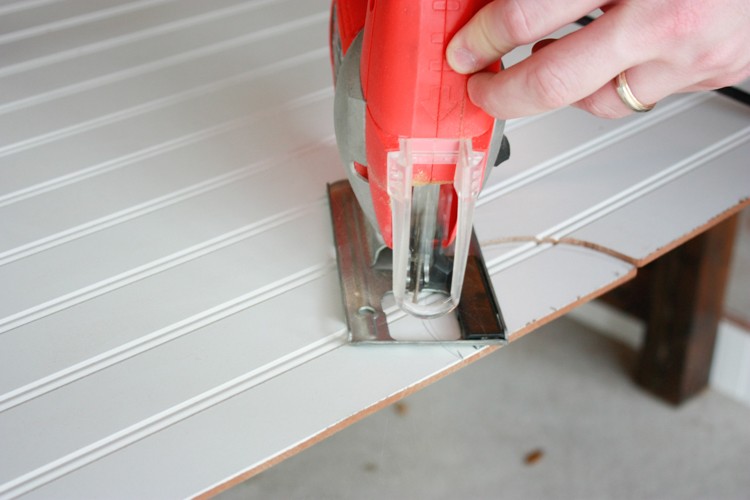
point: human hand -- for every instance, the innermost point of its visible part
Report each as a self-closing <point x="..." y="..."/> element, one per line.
<point x="666" y="47"/>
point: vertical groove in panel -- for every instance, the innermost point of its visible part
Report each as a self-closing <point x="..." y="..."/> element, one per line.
<point x="648" y="185"/>
<point x="160" y="337"/>
<point x="160" y="64"/>
<point x="82" y="457"/>
<point x="24" y="5"/>
<point x="160" y="102"/>
<point x="152" y="268"/>
<point x="78" y="20"/>
<point x="225" y="273"/>
<point x="149" y="152"/>
<point x="589" y="148"/>
<point x="62" y="55"/>
<point x="152" y="205"/>
<point x="532" y="245"/>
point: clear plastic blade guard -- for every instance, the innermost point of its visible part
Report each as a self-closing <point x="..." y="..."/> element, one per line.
<point x="366" y="278"/>
<point x="428" y="264"/>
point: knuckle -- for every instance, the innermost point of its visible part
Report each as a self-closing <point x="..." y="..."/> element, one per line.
<point x="548" y="83"/>
<point x="681" y="24"/>
<point x="728" y="56"/>
<point x="600" y="108"/>
<point x="715" y="60"/>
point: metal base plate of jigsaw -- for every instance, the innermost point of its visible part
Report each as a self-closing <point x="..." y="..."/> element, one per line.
<point x="365" y="273"/>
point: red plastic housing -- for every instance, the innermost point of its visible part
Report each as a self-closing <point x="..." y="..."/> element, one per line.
<point x="409" y="88"/>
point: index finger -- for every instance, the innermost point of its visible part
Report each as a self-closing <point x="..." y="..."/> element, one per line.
<point x="565" y="71"/>
<point x="502" y="25"/>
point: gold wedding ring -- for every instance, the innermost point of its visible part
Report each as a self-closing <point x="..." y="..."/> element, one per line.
<point x="627" y="97"/>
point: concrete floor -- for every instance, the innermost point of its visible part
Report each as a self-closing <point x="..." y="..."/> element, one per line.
<point x="554" y="415"/>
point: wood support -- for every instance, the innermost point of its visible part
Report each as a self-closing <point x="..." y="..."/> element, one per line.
<point x="680" y="296"/>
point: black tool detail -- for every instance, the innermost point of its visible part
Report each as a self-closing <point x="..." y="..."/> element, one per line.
<point x="504" y="152"/>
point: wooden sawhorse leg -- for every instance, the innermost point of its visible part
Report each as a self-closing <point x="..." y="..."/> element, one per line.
<point x="680" y="296"/>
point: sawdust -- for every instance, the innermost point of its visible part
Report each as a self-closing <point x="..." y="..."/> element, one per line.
<point x="401" y="408"/>
<point x="533" y="457"/>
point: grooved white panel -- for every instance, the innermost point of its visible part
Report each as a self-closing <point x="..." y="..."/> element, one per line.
<point x="170" y="315"/>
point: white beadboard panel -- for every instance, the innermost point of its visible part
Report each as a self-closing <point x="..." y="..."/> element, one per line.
<point x="170" y="312"/>
<point x="8" y="6"/>
<point x="265" y="423"/>
<point x="105" y="324"/>
<point x="89" y="151"/>
<point x="99" y="35"/>
<point x="133" y="247"/>
<point x="538" y="284"/>
<point x="182" y="81"/>
<point x="160" y="379"/>
<point x="204" y="34"/>
<point x="577" y="191"/>
<point x="55" y="16"/>
<point x="152" y="179"/>
<point x="554" y="140"/>
<point x="709" y="185"/>
<point x="333" y="372"/>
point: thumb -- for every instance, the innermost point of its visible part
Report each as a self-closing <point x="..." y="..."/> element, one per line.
<point x="477" y="44"/>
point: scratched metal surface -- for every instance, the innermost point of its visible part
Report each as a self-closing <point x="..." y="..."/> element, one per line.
<point x="170" y="316"/>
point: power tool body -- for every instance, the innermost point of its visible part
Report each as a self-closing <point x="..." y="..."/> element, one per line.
<point x="417" y="152"/>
